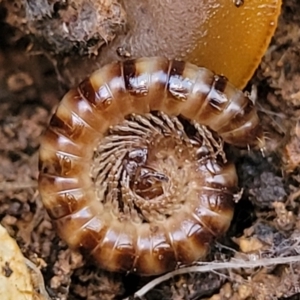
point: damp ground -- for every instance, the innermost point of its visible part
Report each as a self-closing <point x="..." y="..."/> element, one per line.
<point x="266" y="226"/>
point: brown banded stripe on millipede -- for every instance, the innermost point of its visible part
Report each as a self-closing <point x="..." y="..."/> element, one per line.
<point x="132" y="167"/>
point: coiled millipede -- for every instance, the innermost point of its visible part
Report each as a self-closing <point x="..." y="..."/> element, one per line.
<point x="132" y="169"/>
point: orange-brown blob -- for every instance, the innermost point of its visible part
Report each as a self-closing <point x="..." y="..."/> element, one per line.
<point x="228" y="37"/>
<point x="225" y="37"/>
<point x="236" y="38"/>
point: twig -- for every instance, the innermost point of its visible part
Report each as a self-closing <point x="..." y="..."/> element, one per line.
<point x="17" y="185"/>
<point x="206" y="267"/>
<point x="40" y="278"/>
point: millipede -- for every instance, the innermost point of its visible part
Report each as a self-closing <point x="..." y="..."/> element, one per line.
<point x="132" y="165"/>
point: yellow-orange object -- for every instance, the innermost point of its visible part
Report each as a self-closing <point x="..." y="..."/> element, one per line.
<point x="236" y="37"/>
<point x="228" y="37"/>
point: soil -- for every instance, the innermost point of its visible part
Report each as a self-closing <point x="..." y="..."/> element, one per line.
<point x="266" y="227"/>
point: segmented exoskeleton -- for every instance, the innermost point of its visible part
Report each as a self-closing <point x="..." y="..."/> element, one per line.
<point x="132" y="166"/>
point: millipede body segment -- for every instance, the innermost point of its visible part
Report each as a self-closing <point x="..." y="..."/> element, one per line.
<point x="132" y="167"/>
